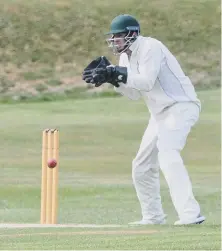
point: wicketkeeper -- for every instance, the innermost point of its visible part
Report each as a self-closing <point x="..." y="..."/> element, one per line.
<point x="148" y="70"/>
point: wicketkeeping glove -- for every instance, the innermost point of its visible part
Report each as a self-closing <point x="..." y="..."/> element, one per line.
<point x="111" y="74"/>
<point x="89" y="71"/>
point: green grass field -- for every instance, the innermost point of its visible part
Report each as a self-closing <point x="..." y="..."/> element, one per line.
<point x="99" y="139"/>
<point x="44" y="46"/>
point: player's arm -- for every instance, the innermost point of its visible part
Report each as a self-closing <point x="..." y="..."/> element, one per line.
<point x="128" y="92"/>
<point x="148" y="67"/>
<point x="123" y="89"/>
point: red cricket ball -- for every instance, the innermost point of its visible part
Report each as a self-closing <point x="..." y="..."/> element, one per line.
<point x="52" y="163"/>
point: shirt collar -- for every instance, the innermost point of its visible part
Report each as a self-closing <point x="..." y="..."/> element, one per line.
<point x="134" y="46"/>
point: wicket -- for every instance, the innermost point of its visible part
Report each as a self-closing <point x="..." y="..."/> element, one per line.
<point x="49" y="187"/>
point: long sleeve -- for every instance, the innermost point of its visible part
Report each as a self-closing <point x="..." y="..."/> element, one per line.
<point x="128" y="92"/>
<point x="123" y="89"/>
<point x="148" y="67"/>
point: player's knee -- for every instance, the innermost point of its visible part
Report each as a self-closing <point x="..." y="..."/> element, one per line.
<point x="140" y="169"/>
<point x="169" y="158"/>
<point x="174" y="144"/>
<point x="137" y="170"/>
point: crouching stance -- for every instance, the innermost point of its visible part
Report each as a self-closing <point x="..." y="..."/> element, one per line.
<point x="148" y="70"/>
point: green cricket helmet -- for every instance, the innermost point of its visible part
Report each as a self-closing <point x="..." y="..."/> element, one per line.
<point x="126" y="25"/>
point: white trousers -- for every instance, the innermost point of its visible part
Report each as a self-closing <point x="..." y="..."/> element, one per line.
<point x="161" y="145"/>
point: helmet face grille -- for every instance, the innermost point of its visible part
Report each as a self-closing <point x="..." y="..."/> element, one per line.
<point x="128" y="40"/>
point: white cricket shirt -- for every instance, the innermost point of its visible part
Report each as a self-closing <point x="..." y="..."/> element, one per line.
<point x="155" y="74"/>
